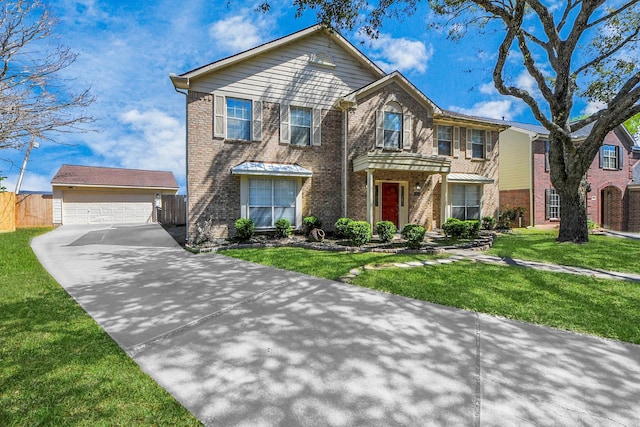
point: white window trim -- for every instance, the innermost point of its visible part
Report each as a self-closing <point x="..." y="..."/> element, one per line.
<point x="244" y="197"/>
<point x="449" y="208"/>
<point x="285" y="124"/>
<point x="451" y="141"/>
<point x="220" y="116"/>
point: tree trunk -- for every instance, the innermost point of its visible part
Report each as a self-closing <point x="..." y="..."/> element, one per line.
<point x="573" y="214"/>
<point x="568" y="179"/>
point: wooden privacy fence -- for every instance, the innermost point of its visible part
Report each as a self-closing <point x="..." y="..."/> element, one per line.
<point x="174" y="210"/>
<point x="25" y="210"/>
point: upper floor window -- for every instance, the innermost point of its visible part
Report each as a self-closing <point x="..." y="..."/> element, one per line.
<point x="392" y="125"/>
<point x="445" y="134"/>
<point x="301" y="126"/>
<point x="477" y="144"/>
<point x="393" y="128"/>
<point x="610" y="157"/>
<point x="238" y="119"/>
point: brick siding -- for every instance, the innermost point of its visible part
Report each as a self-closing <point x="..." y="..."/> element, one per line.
<point x="515" y="199"/>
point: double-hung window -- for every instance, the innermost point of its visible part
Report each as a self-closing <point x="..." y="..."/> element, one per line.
<point x="609" y="157"/>
<point x="392" y="129"/>
<point x="465" y="201"/>
<point x="271" y="199"/>
<point x="445" y="134"/>
<point x="477" y="144"/>
<point x="238" y="119"/>
<point x="300" y="126"/>
<point x="553" y="204"/>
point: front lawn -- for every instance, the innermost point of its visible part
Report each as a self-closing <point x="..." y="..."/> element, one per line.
<point x="606" y="308"/>
<point x="57" y="366"/>
<point x="602" y="252"/>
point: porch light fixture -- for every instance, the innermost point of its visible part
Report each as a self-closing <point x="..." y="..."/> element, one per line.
<point x="418" y="186"/>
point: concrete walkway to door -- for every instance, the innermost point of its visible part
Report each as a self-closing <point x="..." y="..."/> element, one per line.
<point x="241" y="344"/>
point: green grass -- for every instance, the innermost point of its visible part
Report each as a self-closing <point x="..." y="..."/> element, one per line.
<point x="607" y="308"/>
<point x="330" y="265"/>
<point x="57" y="366"/>
<point x="602" y="252"/>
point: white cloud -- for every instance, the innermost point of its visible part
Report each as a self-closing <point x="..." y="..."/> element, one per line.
<point x="504" y="109"/>
<point x="237" y="33"/>
<point x="400" y="54"/>
<point x="488" y="89"/>
<point x="593" y="107"/>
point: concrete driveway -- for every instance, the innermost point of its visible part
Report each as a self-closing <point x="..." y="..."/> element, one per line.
<point x="246" y="345"/>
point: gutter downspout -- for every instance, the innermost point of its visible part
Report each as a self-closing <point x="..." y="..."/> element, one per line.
<point x="186" y="144"/>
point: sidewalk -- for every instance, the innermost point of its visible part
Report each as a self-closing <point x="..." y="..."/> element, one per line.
<point x="478" y="256"/>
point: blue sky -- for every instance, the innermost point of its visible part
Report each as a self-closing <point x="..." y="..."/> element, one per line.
<point x="126" y="50"/>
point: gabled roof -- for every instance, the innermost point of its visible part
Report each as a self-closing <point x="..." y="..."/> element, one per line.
<point x="182" y="81"/>
<point x="395" y="77"/>
<point x="542" y="132"/>
<point x="454" y="115"/>
<point x="92" y="176"/>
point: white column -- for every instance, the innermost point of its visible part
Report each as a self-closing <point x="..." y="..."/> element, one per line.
<point x="444" y="199"/>
<point x="370" y="196"/>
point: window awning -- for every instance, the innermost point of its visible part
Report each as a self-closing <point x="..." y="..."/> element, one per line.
<point x="272" y="169"/>
<point x="469" y="178"/>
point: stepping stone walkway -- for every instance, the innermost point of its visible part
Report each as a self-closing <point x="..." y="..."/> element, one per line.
<point x="476" y="256"/>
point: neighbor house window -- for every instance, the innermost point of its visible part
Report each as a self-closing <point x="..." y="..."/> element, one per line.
<point x="553" y="204"/>
<point x="238" y="119"/>
<point x="270" y="200"/>
<point x="465" y="201"/>
<point x="477" y="144"/>
<point x="444" y="140"/>
<point x="392" y="127"/>
<point x="300" y="126"/>
<point x="609" y="155"/>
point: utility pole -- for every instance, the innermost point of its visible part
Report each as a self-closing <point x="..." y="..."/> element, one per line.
<point x="32" y="144"/>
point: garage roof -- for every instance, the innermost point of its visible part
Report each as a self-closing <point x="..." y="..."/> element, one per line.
<point x="92" y="176"/>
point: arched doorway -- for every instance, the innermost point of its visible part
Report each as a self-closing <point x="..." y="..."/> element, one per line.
<point x="611" y="208"/>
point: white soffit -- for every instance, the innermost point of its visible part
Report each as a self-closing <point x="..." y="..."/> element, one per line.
<point x="469" y="178"/>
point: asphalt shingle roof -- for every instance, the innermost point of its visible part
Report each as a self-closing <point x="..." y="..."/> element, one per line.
<point x="113" y="177"/>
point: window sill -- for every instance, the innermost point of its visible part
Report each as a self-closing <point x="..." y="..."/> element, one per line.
<point x="237" y="141"/>
<point x="297" y="146"/>
<point x="476" y="159"/>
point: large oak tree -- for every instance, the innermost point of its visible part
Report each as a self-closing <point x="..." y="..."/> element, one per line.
<point x="36" y="100"/>
<point x="572" y="49"/>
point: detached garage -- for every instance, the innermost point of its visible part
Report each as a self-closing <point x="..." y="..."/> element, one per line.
<point x="97" y="195"/>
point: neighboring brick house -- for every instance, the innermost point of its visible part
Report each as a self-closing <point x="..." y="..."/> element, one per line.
<point x="308" y="125"/>
<point x="614" y="199"/>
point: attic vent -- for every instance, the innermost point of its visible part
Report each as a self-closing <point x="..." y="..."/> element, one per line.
<point x="321" y="58"/>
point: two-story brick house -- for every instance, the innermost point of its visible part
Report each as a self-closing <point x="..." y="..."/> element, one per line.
<point x="308" y="125"/>
<point x="613" y="201"/>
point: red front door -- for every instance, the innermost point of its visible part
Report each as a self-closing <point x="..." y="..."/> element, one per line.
<point x="390" y="195"/>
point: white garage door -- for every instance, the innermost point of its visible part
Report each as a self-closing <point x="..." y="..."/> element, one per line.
<point x="106" y="208"/>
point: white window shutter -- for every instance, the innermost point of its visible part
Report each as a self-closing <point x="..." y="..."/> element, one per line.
<point x="316" y="126"/>
<point x="256" y="124"/>
<point x="469" y="145"/>
<point x="435" y="140"/>
<point x="219" y="116"/>
<point x="284" y="124"/>
<point x="488" y="144"/>
<point x="379" y="129"/>
<point x="456" y="141"/>
<point x="406" y="132"/>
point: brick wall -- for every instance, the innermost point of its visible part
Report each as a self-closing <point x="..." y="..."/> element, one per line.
<point x="514" y="199"/>
<point x="608" y="183"/>
<point x="634" y="209"/>
<point x="214" y="193"/>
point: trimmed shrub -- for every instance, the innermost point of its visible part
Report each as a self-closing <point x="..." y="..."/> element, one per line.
<point x="309" y="223"/>
<point x="283" y="228"/>
<point x="244" y="229"/>
<point x="413" y="234"/>
<point x="457" y="229"/>
<point x="488" y="222"/>
<point x="341" y="228"/>
<point x="385" y="230"/>
<point x="359" y="233"/>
